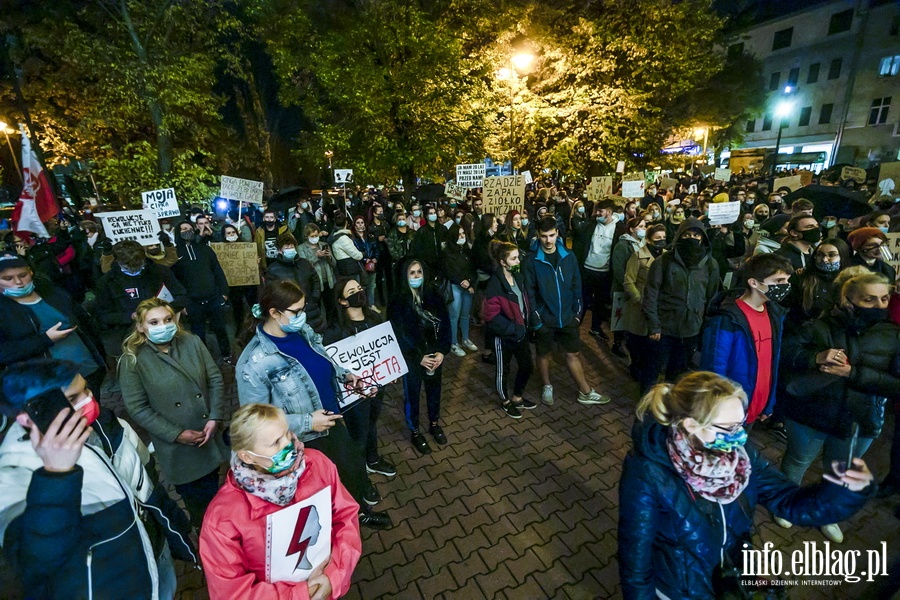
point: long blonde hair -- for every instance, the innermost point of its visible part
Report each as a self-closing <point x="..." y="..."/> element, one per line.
<point x="137" y="338"/>
<point x="695" y="395"/>
<point x="246" y="421"/>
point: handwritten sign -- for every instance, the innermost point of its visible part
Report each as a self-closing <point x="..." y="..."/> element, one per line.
<point x="503" y="194"/>
<point x="855" y="173"/>
<point x="139" y="225"/>
<point x="298" y="538"/>
<point x="528" y="178"/>
<point x="620" y="166"/>
<point x="633" y="189"/>
<point x="724" y="213"/>
<point x="792" y="182"/>
<point x="668" y="183"/>
<point x="241" y="190"/>
<point x="470" y="176"/>
<point x="162" y="202"/>
<point x="722" y="175"/>
<point x="239" y="261"/>
<point x="806" y="177"/>
<point x="889" y="179"/>
<point x="599" y="188"/>
<point x="452" y="190"/>
<point x="893" y="246"/>
<point x="343" y="176"/>
<point x="374" y="355"/>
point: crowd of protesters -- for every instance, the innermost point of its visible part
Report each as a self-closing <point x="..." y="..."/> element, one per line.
<point x="787" y="318"/>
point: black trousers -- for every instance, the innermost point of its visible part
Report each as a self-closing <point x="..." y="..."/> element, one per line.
<point x="670" y="355"/>
<point x="237" y="295"/>
<point x="597" y="295"/>
<point x="505" y="352"/>
<point x="362" y="423"/>
<point x="210" y="310"/>
<point x="197" y="495"/>
<point x="893" y="476"/>
<point x="339" y="447"/>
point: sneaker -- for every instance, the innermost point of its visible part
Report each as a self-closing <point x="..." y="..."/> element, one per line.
<point x="489" y="359"/>
<point x="457" y="350"/>
<point x="592" y="397"/>
<point x="510" y="409"/>
<point x="382" y="467"/>
<point x="374" y="309"/>
<point x="470" y="346"/>
<point x="526" y="404"/>
<point x="420" y="443"/>
<point x="783" y="523"/>
<point x="547" y="395"/>
<point x="371" y="495"/>
<point x="374" y="520"/>
<point x="438" y="434"/>
<point x="599" y="333"/>
<point x="833" y="533"/>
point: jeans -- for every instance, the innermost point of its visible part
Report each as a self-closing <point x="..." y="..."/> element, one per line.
<point x="201" y="311"/>
<point x="460" y="309"/>
<point x="197" y="495"/>
<point x="412" y="385"/>
<point x="361" y="419"/>
<point x="165" y="567"/>
<point x="505" y="351"/>
<point x="368" y="281"/>
<point x="804" y="444"/>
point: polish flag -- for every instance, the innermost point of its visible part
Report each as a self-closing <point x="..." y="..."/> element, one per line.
<point x="37" y="203"/>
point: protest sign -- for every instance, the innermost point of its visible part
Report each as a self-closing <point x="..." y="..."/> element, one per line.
<point x="650" y="178"/>
<point x="856" y="174"/>
<point x="239" y="261"/>
<point x="618" y="305"/>
<point x="893" y="246"/>
<point x="722" y="175"/>
<point x="620" y="166"/>
<point x="503" y="194"/>
<point x="374" y="355"/>
<point x="528" y="178"/>
<point x="806" y="177"/>
<point x="668" y="183"/>
<point x="470" y="176"/>
<point x="298" y="538"/>
<point x="724" y="213"/>
<point x="241" y="190"/>
<point x="889" y="179"/>
<point x="599" y="188"/>
<point x="707" y="170"/>
<point x="633" y="189"/>
<point x="343" y="176"/>
<point x="162" y="202"/>
<point x="792" y="182"/>
<point x="452" y="190"/>
<point x="139" y="225"/>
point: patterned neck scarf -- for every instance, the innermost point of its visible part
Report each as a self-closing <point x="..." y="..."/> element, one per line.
<point x="716" y="476"/>
<point x="276" y="489"/>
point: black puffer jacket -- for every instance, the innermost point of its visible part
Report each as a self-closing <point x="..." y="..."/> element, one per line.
<point x="670" y="539"/>
<point x="119" y="294"/>
<point x="300" y="271"/>
<point x="829" y="403"/>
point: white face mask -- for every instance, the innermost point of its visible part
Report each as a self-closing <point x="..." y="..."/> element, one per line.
<point x="461" y="241"/>
<point x="231" y="238"/>
<point x="313" y="240"/>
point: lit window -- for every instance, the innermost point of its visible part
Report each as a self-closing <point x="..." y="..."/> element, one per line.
<point x="890" y="66"/>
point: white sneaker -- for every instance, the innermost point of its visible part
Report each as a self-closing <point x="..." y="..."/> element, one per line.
<point x="833" y="533"/>
<point x="457" y="350"/>
<point x="547" y="395"/>
<point x="783" y="523"/>
<point x="592" y="397"/>
<point x="470" y="345"/>
<point x="374" y="309"/>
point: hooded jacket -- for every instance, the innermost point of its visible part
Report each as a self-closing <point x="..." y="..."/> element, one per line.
<point x="672" y="540"/>
<point x="119" y="294"/>
<point x="554" y="295"/>
<point x="199" y="270"/>
<point x="729" y="349"/>
<point x="676" y="295"/>
<point x="300" y="271"/>
<point x="346" y="254"/>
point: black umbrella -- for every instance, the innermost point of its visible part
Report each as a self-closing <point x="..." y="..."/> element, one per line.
<point x="429" y="192"/>
<point x="287" y="198"/>
<point x="832" y="201"/>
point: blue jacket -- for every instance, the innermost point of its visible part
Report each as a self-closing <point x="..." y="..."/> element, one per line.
<point x="728" y="347"/>
<point x="554" y="295"/>
<point x="669" y="541"/>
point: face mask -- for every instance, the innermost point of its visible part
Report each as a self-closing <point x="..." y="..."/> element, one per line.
<point x="811" y="236"/>
<point x="749" y="224"/>
<point x="432" y="217"/>
<point x="461" y="242"/>
<point x="357" y="300"/>
<point x="651" y="192"/>
<point x="162" y="334"/>
<point x="457" y="220"/>
<point x="760" y="218"/>
<point x="186" y="235"/>
<point x="417" y="213"/>
<point x="830" y="224"/>
<point x="416" y="282"/>
<point x="167" y="228"/>
<point x="401" y="223"/>
<point x="313" y="240"/>
<point x="131" y="273"/>
<point x="601" y="220"/>
<point x="231" y="238"/>
<point x="514" y="269"/>
<point x="581" y="210"/>
<point x="19" y="292"/>
<point x="660" y="244"/>
<point x="884" y="229"/>
<point x="305" y="206"/>
<point x="91" y="408"/>
<point x="869" y="316"/>
<point x="619" y="217"/>
<point x="194" y="218"/>
<point x="295" y="323"/>
<point x="269" y="224"/>
<point x="829" y="267"/>
<point x="727" y="442"/>
<point x="640" y="234"/>
<point x="282" y="461"/>
<point x="524" y="222"/>
<point x="289" y="253"/>
<point x="778" y="291"/>
<point x="676" y="218"/>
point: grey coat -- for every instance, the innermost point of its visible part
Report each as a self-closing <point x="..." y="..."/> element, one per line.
<point x="168" y="393"/>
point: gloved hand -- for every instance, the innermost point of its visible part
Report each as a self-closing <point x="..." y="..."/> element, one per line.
<point x="164" y="239"/>
<point x="105" y="246"/>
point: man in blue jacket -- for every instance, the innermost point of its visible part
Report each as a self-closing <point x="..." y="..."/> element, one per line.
<point x="553" y="284"/>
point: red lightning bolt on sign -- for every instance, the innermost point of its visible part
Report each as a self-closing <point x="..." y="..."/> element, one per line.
<point x="297" y="544"/>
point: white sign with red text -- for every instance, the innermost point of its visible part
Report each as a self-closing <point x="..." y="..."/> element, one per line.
<point x="374" y="355"/>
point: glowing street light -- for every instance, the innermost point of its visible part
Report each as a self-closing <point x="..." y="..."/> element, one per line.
<point x="522" y="60"/>
<point x="783" y="109"/>
<point x="6" y="131"/>
<point x="518" y="63"/>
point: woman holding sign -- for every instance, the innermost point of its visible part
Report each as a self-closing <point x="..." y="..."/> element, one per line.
<point x="271" y="473"/>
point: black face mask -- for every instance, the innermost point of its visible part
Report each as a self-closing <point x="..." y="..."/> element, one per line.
<point x="869" y="316"/>
<point x="690" y="250"/>
<point x="187" y="235"/>
<point x="655" y="249"/>
<point x="357" y="300"/>
<point x="811" y="236"/>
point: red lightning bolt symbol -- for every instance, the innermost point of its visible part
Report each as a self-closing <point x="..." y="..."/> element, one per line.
<point x="298" y="545"/>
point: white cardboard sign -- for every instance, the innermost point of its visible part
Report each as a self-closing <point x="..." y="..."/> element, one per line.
<point x="633" y="189"/>
<point x="528" y="178"/>
<point x="139" y="225"/>
<point x="298" y="538"/>
<point x="162" y="202"/>
<point x="241" y="190"/>
<point x="452" y="190"/>
<point x="724" y="213"/>
<point x="723" y="175"/>
<point x="470" y="176"/>
<point x="374" y="355"/>
<point x="343" y="176"/>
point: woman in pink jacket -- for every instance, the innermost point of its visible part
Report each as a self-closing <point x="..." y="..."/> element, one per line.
<point x="267" y="534"/>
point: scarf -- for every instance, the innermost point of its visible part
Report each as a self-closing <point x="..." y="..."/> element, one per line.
<point x="271" y="488"/>
<point x="716" y="476"/>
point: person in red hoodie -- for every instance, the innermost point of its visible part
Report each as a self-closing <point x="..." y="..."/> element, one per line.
<point x="255" y="543"/>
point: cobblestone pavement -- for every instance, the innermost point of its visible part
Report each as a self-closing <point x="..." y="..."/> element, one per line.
<point x="527" y="508"/>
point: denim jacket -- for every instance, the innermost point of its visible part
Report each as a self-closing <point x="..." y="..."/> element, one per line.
<point x="266" y="375"/>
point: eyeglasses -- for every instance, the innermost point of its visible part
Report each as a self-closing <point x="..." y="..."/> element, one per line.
<point x="295" y="312"/>
<point x="870" y="248"/>
<point x="731" y="430"/>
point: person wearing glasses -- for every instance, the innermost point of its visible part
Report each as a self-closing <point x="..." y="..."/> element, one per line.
<point x="867" y="244"/>
<point x="689" y="488"/>
<point x="285" y="364"/>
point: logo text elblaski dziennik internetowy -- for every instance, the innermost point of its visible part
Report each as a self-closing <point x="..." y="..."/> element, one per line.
<point x="815" y="561"/>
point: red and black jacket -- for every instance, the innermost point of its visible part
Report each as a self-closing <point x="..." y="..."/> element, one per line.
<point x="501" y="307"/>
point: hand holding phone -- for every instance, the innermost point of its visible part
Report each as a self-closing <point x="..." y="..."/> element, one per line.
<point x="60" y="443"/>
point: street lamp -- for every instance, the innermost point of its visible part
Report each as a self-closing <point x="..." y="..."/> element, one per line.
<point x="6" y="132"/>
<point x="782" y="109"/>
<point x="517" y="62"/>
<point x="704" y="131"/>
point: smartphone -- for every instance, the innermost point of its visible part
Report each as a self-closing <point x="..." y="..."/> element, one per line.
<point x="44" y="407"/>
<point x="843" y="467"/>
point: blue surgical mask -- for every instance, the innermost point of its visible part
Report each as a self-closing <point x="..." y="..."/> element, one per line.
<point x="417" y="213"/>
<point x="416" y="282"/>
<point x="829" y="224"/>
<point x="401" y="223"/>
<point x="282" y="461"/>
<point x="295" y="323"/>
<point x="458" y="220"/>
<point x="289" y="253"/>
<point x="130" y="273"/>
<point x="162" y="334"/>
<point x="727" y="442"/>
<point x="620" y="216"/>
<point x="602" y="220"/>
<point x="640" y="233"/>
<point x="524" y="222"/>
<point x="19" y="292"/>
<point x="581" y="209"/>
<point x="432" y="217"/>
<point x="884" y="229"/>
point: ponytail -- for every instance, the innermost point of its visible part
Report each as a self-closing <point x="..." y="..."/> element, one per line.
<point x="695" y="395"/>
<point x="500" y="250"/>
<point x="654" y="401"/>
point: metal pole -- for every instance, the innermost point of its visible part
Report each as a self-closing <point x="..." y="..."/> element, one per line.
<point x="777" y="146"/>
<point x="513" y="77"/>
<point x="15" y="160"/>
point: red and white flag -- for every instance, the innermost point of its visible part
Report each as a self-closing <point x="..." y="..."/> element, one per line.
<point x="37" y="204"/>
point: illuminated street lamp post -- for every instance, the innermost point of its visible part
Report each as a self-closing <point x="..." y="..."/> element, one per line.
<point x="12" y="152"/>
<point x="782" y="109"/>
<point x="517" y="62"/>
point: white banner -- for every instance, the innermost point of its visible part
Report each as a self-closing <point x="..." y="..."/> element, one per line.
<point x="298" y="538"/>
<point x="503" y="194"/>
<point x="374" y="355"/>
<point x="470" y="176"/>
<point x="343" y="176"/>
<point x="528" y="178"/>
<point x="452" y="190"/>
<point x="724" y="213"/>
<point x="633" y="189"/>
<point x="139" y="225"/>
<point x="162" y="202"/>
<point x="241" y="190"/>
